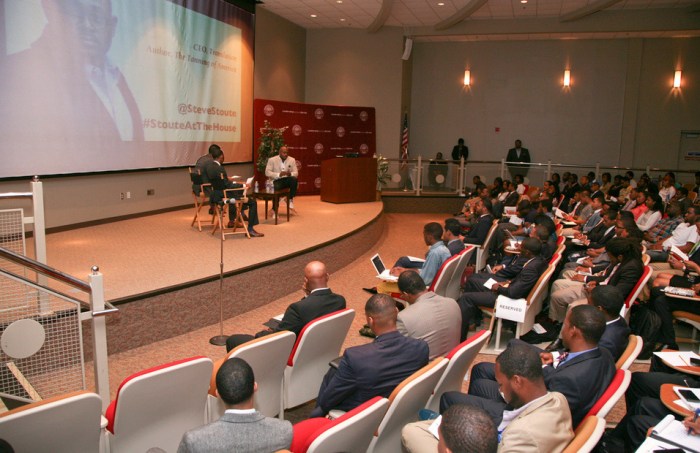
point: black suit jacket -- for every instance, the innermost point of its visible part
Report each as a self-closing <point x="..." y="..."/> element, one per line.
<point x="370" y="370"/>
<point x="457" y="153"/>
<point x="615" y="337"/>
<point x="599" y="236"/>
<point x="625" y="277"/>
<point x="478" y="233"/>
<point x="315" y="305"/>
<point x="215" y="173"/>
<point x="521" y="285"/>
<point x="512" y="199"/>
<point x="582" y="380"/>
<point x="513" y="156"/>
<point x="454" y="246"/>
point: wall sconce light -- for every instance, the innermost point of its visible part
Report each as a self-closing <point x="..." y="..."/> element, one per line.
<point x="567" y="78"/>
<point x="467" y="78"/>
<point x="677" y="79"/>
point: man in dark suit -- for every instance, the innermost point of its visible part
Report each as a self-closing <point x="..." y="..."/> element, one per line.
<point x="518" y="154"/>
<point x="582" y="374"/>
<point x="241" y="428"/>
<point x="215" y="173"/>
<point x="319" y="301"/>
<point x="477" y="235"/>
<point x="451" y="236"/>
<point x="460" y="150"/>
<point x="373" y="369"/>
<point x="477" y="295"/>
<point x="609" y="300"/>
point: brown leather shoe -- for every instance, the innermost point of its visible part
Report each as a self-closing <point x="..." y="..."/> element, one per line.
<point x="255" y="234"/>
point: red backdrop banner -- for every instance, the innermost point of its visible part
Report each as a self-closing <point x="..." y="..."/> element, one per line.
<point x="316" y="133"/>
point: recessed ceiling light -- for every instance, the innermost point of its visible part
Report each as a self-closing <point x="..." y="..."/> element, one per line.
<point x="523" y="1"/>
<point x="441" y="4"/>
<point x="339" y="1"/>
<point x="314" y="15"/>
<point x="342" y="19"/>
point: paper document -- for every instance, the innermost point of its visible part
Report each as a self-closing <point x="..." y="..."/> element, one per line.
<point x="673" y="432"/>
<point x="416" y="259"/>
<point x="677" y="358"/>
<point x="489" y="283"/>
<point x="677" y="253"/>
<point x="433" y="428"/>
<point x="559" y="213"/>
<point x="515" y="220"/>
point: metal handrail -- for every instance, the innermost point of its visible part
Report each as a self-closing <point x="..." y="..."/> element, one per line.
<point x="43" y="269"/>
<point x="16" y="195"/>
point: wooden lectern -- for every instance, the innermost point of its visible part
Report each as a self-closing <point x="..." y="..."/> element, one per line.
<point x="348" y="180"/>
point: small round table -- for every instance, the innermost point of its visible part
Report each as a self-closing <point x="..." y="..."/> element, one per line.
<point x="669" y="397"/>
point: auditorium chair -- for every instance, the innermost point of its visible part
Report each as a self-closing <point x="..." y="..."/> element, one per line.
<point x="443" y="275"/>
<point x="587" y="435"/>
<point x="459" y="361"/>
<point x="267" y="356"/>
<point x="636" y="291"/>
<point x="63" y="424"/>
<point x="350" y="433"/>
<point x="201" y="199"/>
<point x="155" y="407"/>
<point x="689" y="318"/>
<point x="482" y="251"/>
<point x="454" y="287"/>
<point x="631" y="352"/>
<point x="404" y="403"/>
<point x="319" y="342"/>
<point x="612" y="394"/>
<point x="534" y="299"/>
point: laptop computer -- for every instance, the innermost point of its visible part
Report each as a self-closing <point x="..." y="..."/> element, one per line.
<point x="382" y="271"/>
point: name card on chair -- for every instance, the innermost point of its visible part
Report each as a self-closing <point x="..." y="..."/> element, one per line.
<point x="511" y="309"/>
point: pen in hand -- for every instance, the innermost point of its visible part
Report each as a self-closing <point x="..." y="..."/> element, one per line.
<point x="695" y="418"/>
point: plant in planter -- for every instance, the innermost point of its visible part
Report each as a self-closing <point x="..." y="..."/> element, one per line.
<point x="271" y="140"/>
<point x="382" y="171"/>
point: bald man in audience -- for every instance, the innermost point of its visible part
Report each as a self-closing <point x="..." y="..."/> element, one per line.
<point x="318" y="301"/>
<point x="534" y="419"/>
<point x="429" y="317"/>
<point x="372" y="369"/>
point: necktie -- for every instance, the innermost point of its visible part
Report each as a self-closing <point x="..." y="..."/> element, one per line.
<point x="562" y="358"/>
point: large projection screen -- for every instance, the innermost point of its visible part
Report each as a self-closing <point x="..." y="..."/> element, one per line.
<point x="110" y="85"/>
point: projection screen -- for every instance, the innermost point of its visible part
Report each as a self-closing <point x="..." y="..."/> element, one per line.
<point x="109" y="85"/>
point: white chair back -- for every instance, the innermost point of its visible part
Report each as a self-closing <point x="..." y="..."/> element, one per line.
<point x="406" y="400"/>
<point x="482" y="252"/>
<point x="636" y="291"/>
<point x="460" y="359"/>
<point x="156" y="408"/>
<point x="630" y="354"/>
<point x="65" y="424"/>
<point x="318" y="343"/>
<point x="443" y="276"/>
<point x="454" y="287"/>
<point x="587" y="435"/>
<point x="612" y="395"/>
<point x="267" y="356"/>
<point x="352" y="435"/>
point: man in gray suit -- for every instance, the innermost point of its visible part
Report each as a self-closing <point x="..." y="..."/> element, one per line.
<point x="241" y="429"/>
<point x="435" y="319"/>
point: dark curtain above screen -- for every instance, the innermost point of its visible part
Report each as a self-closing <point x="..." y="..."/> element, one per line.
<point x="101" y="85"/>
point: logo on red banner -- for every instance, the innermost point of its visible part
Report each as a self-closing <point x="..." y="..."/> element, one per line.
<point x="317" y="183"/>
<point x="364" y="148"/>
<point x="318" y="148"/>
<point x="340" y="131"/>
<point x="298" y="162"/>
<point x="296" y="130"/>
<point x="318" y="113"/>
<point x="269" y="110"/>
<point x="364" y="115"/>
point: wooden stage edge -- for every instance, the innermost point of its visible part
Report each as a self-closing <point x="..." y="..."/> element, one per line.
<point x="168" y="312"/>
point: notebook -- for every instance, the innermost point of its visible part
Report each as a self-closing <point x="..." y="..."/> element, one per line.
<point x="382" y="271"/>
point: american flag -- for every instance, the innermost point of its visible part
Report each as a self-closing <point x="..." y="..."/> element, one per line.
<point x="404" y="142"/>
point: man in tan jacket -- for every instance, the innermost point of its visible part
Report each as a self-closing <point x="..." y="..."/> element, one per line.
<point x="534" y="421"/>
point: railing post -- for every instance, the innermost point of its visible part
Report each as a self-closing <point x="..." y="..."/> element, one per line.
<point x="99" y="337"/>
<point x="40" y="239"/>
<point x="462" y="176"/>
<point x="419" y="176"/>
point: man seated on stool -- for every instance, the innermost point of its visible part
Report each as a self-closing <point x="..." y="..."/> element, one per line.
<point x="213" y="174"/>
<point x="241" y="428"/>
<point x="372" y="369"/>
<point x="319" y="301"/>
<point x="283" y="170"/>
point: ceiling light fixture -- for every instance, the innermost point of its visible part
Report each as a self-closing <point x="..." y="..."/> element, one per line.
<point x="314" y="15"/>
<point x="567" y="78"/>
<point x="677" y="79"/>
<point x="467" y="78"/>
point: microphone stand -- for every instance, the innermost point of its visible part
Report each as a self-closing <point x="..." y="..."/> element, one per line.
<point x="220" y="340"/>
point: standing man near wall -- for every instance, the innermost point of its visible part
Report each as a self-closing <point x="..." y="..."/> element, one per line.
<point x="518" y="154"/>
<point x="460" y="150"/>
<point x="283" y="170"/>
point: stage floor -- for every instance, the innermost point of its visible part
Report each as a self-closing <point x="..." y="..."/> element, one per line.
<point x="146" y="254"/>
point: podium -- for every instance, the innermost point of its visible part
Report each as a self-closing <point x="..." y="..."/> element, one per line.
<point x="348" y="180"/>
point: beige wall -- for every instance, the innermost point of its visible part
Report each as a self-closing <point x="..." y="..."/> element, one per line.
<point x="357" y="68"/>
<point x="620" y="109"/>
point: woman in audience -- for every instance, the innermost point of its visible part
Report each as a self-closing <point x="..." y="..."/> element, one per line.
<point x="653" y="214"/>
<point x="496" y="188"/>
<point x="606" y="183"/>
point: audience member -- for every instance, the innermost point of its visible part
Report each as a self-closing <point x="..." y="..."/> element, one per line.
<point x="518" y="154"/>
<point x="683" y="236"/>
<point x="241" y="428"/>
<point x="436" y="255"/>
<point x="318" y="301"/>
<point x="429" y="317"/>
<point x="373" y="369"/>
<point x="653" y="213"/>
<point x="581" y="374"/>
<point x="451" y="237"/>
